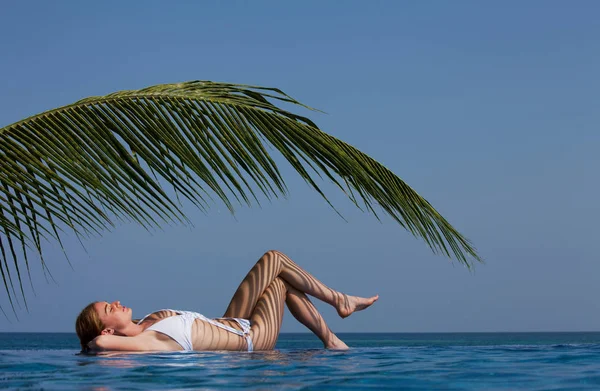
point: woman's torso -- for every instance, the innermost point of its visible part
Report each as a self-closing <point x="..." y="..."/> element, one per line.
<point x="204" y="335"/>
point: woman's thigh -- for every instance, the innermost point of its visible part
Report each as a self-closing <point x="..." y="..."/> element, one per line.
<point x="267" y="316"/>
<point x="254" y="284"/>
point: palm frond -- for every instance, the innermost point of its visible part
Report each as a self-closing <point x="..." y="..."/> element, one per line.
<point x="99" y="158"/>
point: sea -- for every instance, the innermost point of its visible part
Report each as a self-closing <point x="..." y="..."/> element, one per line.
<point x="382" y="361"/>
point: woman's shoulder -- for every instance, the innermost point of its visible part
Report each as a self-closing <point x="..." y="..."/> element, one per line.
<point x="156" y="316"/>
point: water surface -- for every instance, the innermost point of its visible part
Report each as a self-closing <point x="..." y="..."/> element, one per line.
<point x="445" y="361"/>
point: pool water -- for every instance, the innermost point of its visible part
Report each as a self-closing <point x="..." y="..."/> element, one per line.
<point x="443" y="361"/>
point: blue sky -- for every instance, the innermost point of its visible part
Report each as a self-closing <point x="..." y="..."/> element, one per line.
<point x="487" y="110"/>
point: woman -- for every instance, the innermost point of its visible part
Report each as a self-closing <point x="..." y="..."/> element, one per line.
<point x="252" y="320"/>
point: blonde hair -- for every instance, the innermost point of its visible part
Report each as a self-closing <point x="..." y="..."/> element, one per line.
<point x="88" y="326"/>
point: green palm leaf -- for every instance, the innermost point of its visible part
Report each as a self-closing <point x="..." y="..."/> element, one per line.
<point x="80" y="165"/>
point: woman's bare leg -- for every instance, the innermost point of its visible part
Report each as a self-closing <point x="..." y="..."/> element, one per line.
<point x="275" y="264"/>
<point x="306" y="313"/>
<point x="266" y="318"/>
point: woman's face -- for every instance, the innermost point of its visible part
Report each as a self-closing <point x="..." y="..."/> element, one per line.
<point x="113" y="315"/>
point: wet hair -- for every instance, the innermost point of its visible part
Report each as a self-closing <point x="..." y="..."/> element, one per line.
<point x="88" y="326"/>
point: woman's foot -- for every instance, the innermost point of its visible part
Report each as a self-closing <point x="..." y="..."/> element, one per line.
<point x="336" y="344"/>
<point x="347" y="304"/>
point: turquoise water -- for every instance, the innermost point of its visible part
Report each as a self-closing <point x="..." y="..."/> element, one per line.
<point x="445" y="361"/>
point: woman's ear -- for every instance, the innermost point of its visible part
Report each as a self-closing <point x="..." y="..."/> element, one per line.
<point x="108" y="331"/>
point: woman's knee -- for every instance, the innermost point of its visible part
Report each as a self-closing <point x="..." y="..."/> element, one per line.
<point x="276" y="289"/>
<point x="272" y="257"/>
<point x="273" y="253"/>
<point x="288" y="288"/>
<point x="280" y="285"/>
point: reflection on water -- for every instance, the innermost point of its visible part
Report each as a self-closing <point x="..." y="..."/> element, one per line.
<point x="215" y="360"/>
